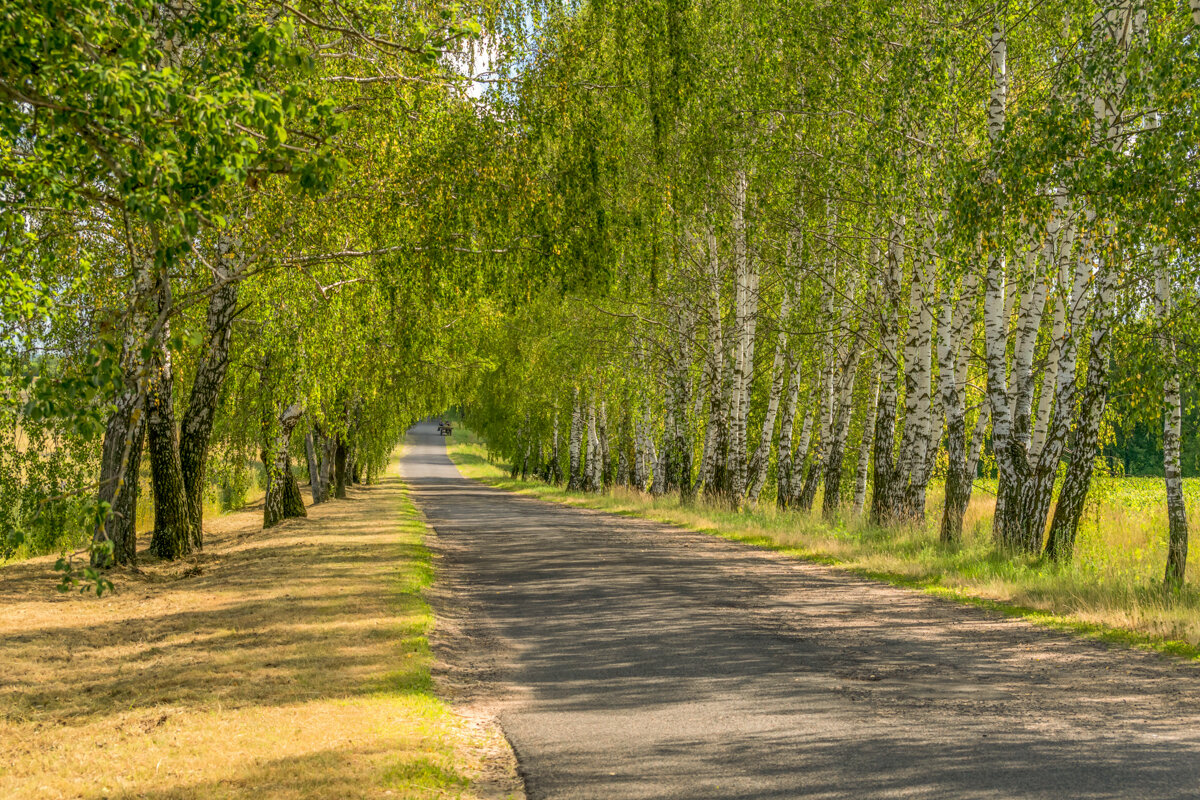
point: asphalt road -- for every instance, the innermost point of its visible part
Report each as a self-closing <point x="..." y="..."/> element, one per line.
<point x="639" y="661"/>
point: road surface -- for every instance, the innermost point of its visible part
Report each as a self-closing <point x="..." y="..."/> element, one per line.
<point x="640" y="661"/>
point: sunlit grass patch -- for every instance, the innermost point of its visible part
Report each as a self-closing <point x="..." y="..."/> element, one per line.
<point x="1112" y="589"/>
<point x="291" y="663"/>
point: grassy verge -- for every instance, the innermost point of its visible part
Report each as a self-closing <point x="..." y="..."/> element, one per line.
<point x="289" y="663"/>
<point x="1108" y="593"/>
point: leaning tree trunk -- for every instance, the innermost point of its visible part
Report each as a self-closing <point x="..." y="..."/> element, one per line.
<point x="812" y="477"/>
<point x="172" y="537"/>
<point x="283" y="493"/>
<point x="195" y="430"/>
<point x="120" y="465"/>
<point x="1118" y="26"/>
<point x="840" y="430"/>
<point x="1072" y="497"/>
<point x="1027" y="519"/>
<point x="121" y="456"/>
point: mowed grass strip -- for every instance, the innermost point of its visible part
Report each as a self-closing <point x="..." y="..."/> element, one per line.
<point x="290" y="663"/>
<point x="1112" y="590"/>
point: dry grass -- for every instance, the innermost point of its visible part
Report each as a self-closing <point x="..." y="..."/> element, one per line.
<point x="286" y="663"/>
<point x="1111" y="590"/>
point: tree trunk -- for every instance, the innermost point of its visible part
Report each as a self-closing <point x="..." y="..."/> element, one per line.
<point x="918" y="383"/>
<point x="623" y="472"/>
<point x="593" y="482"/>
<point x="314" y="469"/>
<point x="555" y="464"/>
<point x="121" y="456"/>
<point x="641" y="456"/>
<point x="746" y="319"/>
<point x="120" y="465"/>
<point x="956" y="335"/>
<point x="787" y="424"/>
<point x="339" y="468"/>
<point x="283" y="493"/>
<point x="717" y="364"/>
<point x="1177" y="522"/>
<point x="575" y="480"/>
<point x="840" y="429"/>
<point x="761" y="459"/>
<point x="329" y="445"/>
<point x="1060" y="545"/>
<point x="864" y="446"/>
<point x="883" y="486"/>
<point x="812" y="477"/>
<point x="605" y="450"/>
<point x="195" y="431"/>
<point x="172" y="537"/>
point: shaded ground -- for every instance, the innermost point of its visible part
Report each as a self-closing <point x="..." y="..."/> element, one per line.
<point x="634" y="660"/>
<point x="289" y="663"/>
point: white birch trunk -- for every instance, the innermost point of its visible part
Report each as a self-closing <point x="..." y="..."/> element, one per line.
<point x="716" y="366"/>
<point x="1177" y="522"/>
<point x="994" y="319"/>
<point x="864" y="446"/>
<point x="575" y="481"/>
<point x="746" y="317"/>
<point x="779" y="373"/>
<point x="592" y="463"/>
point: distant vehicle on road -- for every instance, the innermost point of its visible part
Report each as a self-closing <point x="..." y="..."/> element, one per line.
<point x="444" y="428"/>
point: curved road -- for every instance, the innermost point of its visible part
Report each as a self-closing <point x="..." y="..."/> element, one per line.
<point x="646" y="662"/>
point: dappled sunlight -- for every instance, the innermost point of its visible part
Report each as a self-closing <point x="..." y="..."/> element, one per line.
<point x="283" y="663"/>
<point x="723" y="670"/>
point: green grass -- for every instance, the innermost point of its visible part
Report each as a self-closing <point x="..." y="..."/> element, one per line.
<point x="1111" y="591"/>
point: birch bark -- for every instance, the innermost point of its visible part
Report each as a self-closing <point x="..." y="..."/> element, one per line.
<point x="575" y="480"/>
<point x="1177" y="522"/>
<point x="995" y="321"/>
<point x="746" y="318"/>
<point x="125" y="431"/>
<point x="172" y="537"/>
<point x="864" y="445"/>
<point x="884" y="479"/>
<point x="779" y="373"/>
<point x="785" y="457"/>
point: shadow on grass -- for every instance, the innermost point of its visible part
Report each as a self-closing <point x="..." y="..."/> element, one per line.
<point x="290" y="662"/>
